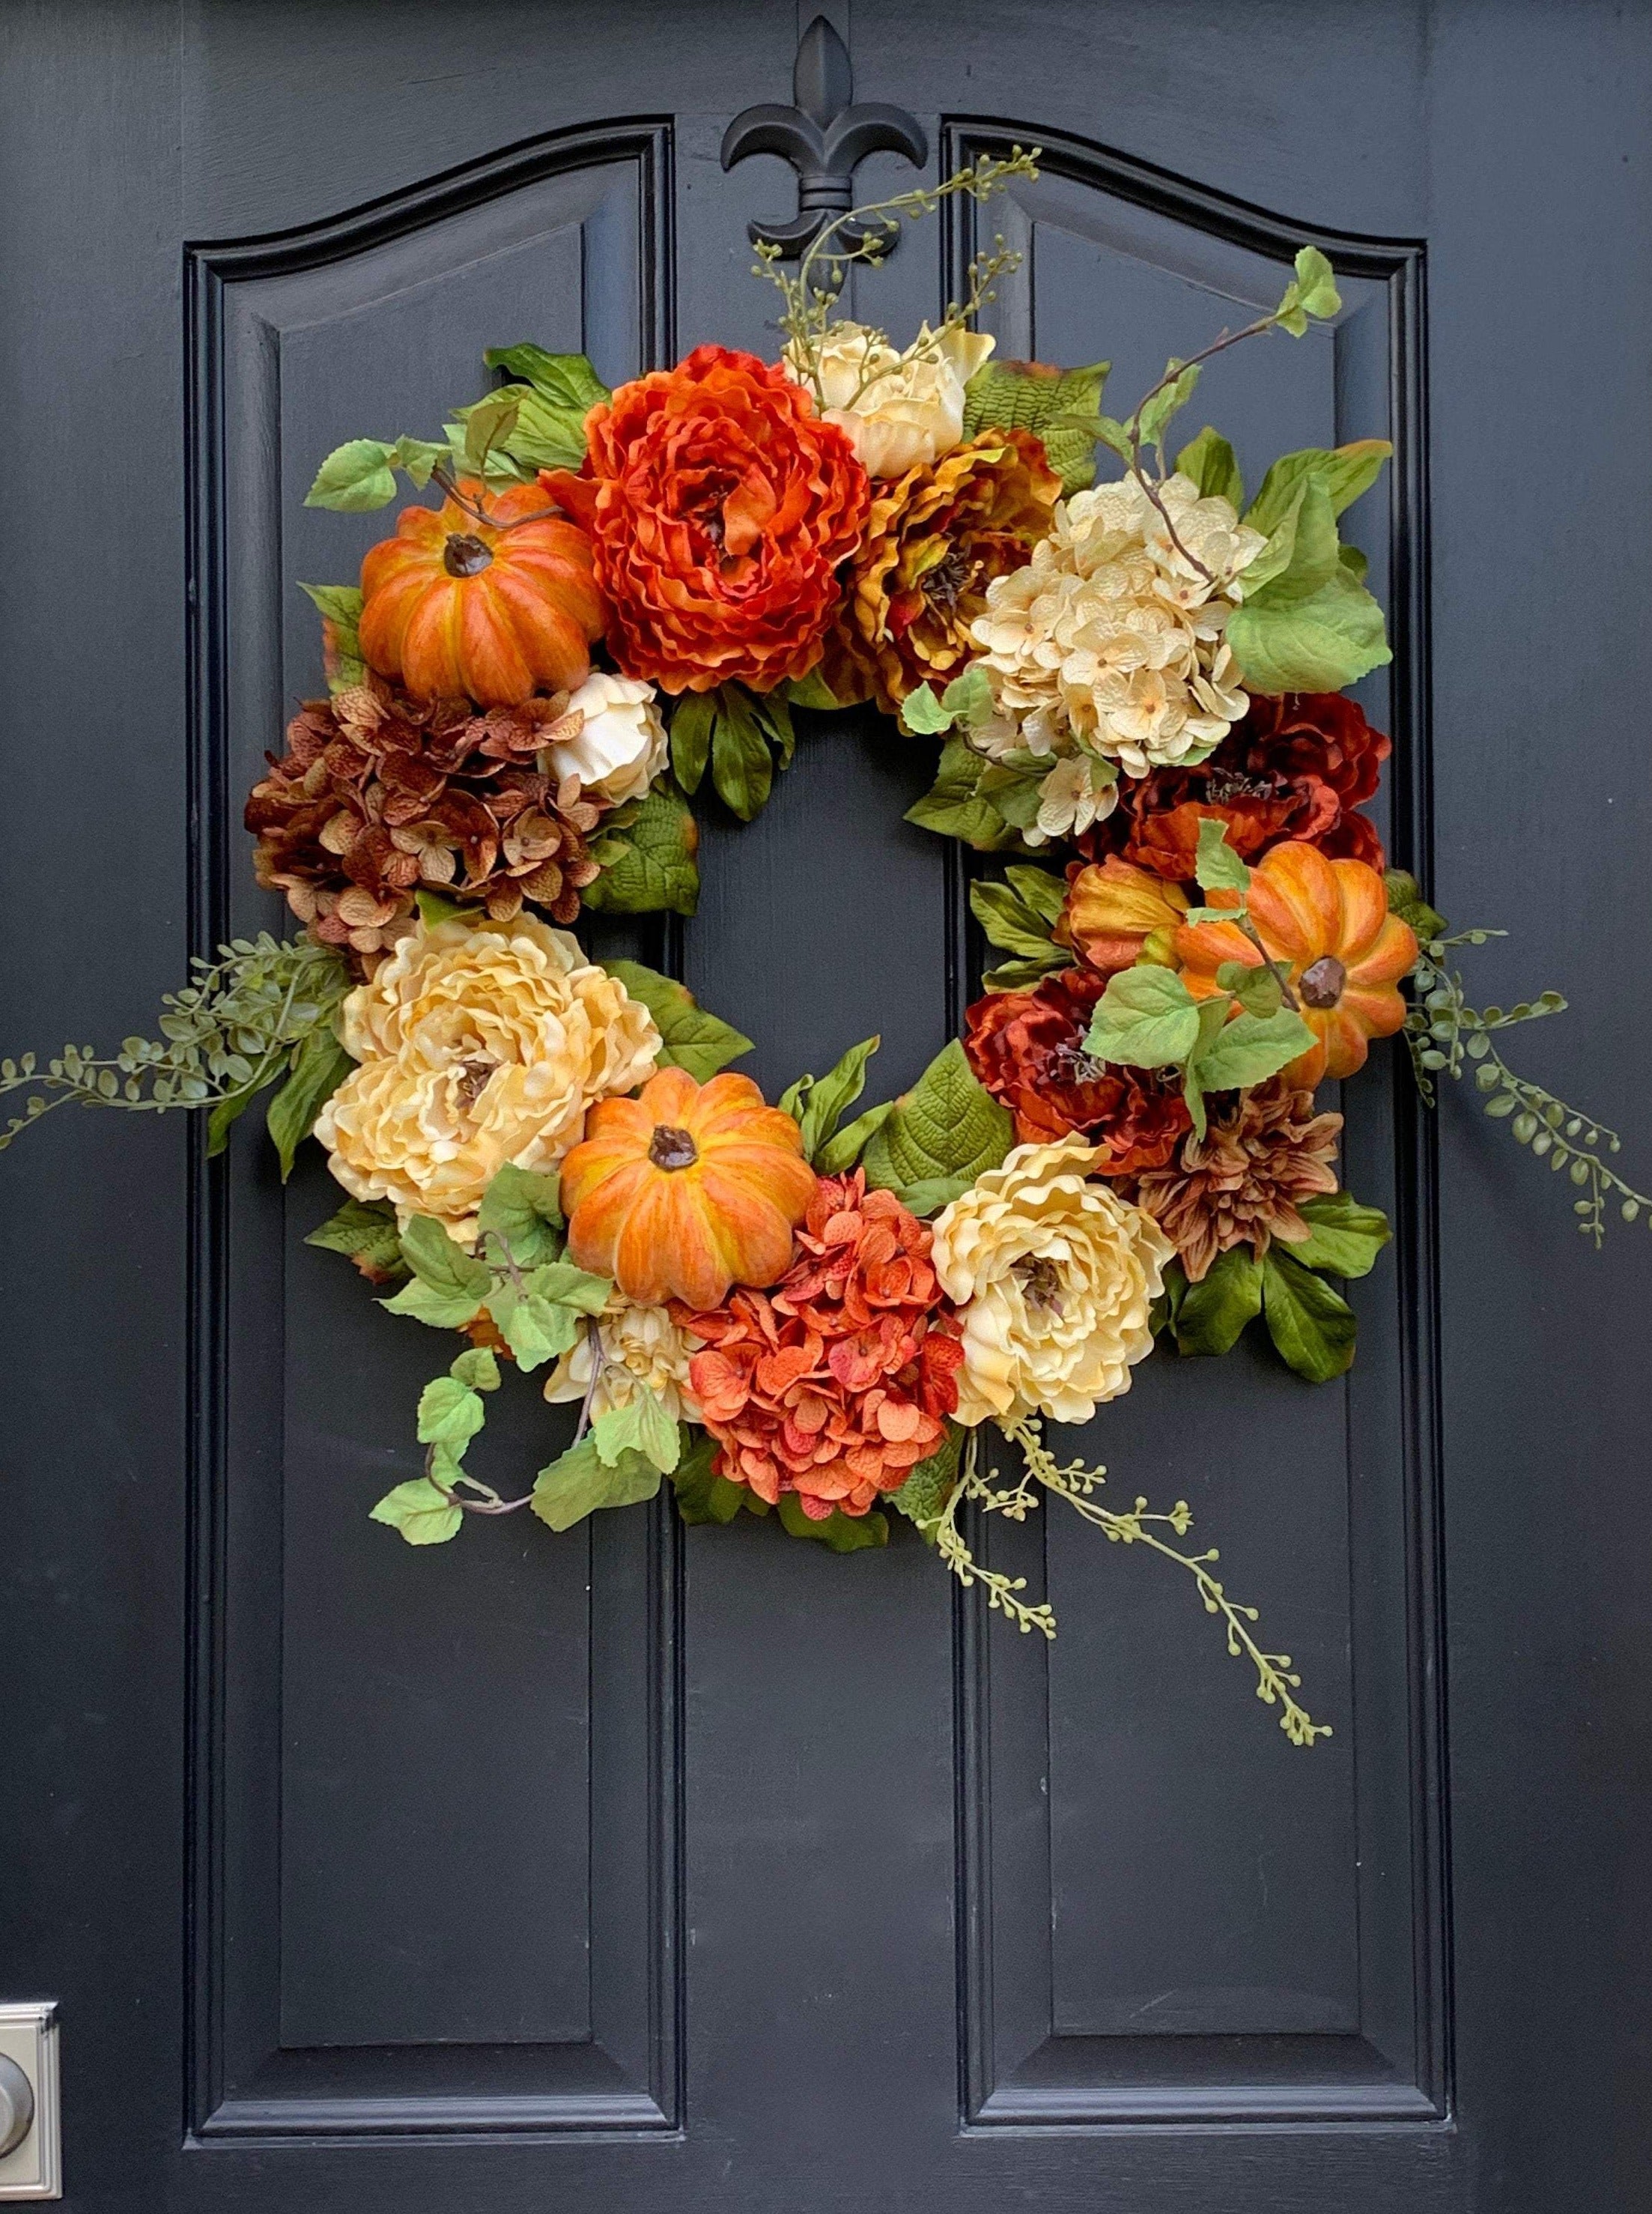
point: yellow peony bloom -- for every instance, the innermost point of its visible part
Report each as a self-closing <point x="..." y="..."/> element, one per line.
<point x="1054" y="1276"/>
<point x="479" y="1044"/>
<point x="1110" y="639"/>
<point x="897" y="410"/>
<point x="643" y="1351"/>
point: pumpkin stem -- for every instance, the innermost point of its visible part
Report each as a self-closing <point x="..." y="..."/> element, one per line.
<point x="465" y="556"/>
<point x="1321" y="986"/>
<point x="671" y="1148"/>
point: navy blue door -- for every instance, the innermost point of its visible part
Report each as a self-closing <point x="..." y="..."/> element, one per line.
<point x="652" y="1869"/>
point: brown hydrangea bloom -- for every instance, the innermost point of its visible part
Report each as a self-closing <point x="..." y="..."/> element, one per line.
<point x="1240" y="1184"/>
<point x="379" y="795"/>
<point x="1298" y="767"/>
<point x="934" y="541"/>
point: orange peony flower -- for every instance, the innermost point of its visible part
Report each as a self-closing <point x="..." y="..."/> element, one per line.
<point x="720" y="505"/>
<point x="686" y="1189"/>
<point x="1113" y="909"/>
<point x="1327" y="923"/>
<point x="837" y="1384"/>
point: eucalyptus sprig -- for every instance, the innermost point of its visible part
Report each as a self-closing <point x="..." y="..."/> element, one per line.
<point x="810" y="296"/>
<point x="264" y="1006"/>
<point x="1447" y="1036"/>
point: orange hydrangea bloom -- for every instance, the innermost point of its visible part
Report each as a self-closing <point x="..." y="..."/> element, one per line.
<point x="838" y="1383"/>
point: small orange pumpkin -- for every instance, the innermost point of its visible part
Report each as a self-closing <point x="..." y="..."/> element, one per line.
<point x="1327" y="923"/>
<point x="687" y="1190"/>
<point x="454" y="609"/>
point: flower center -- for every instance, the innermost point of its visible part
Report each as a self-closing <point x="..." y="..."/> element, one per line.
<point x="671" y="1148"/>
<point x="949" y="579"/>
<point x="1040" y="1284"/>
<point x="1321" y="986"/>
<point x="472" y="1078"/>
<point x="465" y="556"/>
<point x="1070" y="1064"/>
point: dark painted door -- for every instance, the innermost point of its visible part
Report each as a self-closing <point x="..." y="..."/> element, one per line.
<point x="646" y="1870"/>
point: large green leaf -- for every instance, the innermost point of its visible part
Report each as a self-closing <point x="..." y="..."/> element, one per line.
<point x="947" y="1127"/>
<point x="1344" y="472"/>
<point x="1321" y="644"/>
<point x="922" y="1498"/>
<point x="694" y="1040"/>
<point x="1313" y="1327"/>
<point x="525" y="1209"/>
<point x="354" y="478"/>
<point x="1145" y="1019"/>
<point x="449" y="1287"/>
<point x="1208" y="461"/>
<point x="640" y="1425"/>
<point x="450" y="1413"/>
<point x="651" y="865"/>
<point x="367" y="1232"/>
<point x="321" y="1067"/>
<point x="1031" y="395"/>
<point x="1300" y="558"/>
<point x="419" y="1512"/>
<point x="820" y="1102"/>
<point x="693" y="720"/>
<point x="579" y="1482"/>
<point x="844" y="1149"/>
<point x="1251" y="1049"/>
<point x="702" y="1497"/>
<point x="1213" y="1311"/>
<point x="844" y="1533"/>
<point x="1346" y="1238"/>
<point x="1020" y="916"/>
<point x="956" y="806"/>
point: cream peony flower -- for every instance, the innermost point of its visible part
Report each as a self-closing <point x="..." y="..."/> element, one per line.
<point x="1109" y="640"/>
<point x="643" y="1351"/>
<point x="620" y="745"/>
<point x="479" y="1044"/>
<point x="898" y="409"/>
<point x="1054" y="1276"/>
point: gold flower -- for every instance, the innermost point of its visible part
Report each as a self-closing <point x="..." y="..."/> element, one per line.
<point x="897" y="410"/>
<point x="1111" y="640"/>
<point x="644" y="1349"/>
<point x="1055" y="1276"/>
<point x="479" y="1045"/>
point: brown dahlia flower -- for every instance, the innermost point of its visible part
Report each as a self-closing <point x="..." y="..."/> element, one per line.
<point x="1298" y="767"/>
<point x="1240" y="1184"/>
<point x="1027" y="1047"/>
<point x="935" y="540"/>
<point x="379" y="795"/>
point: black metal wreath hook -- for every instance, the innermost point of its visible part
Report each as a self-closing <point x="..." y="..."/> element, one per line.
<point x="825" y="139"/>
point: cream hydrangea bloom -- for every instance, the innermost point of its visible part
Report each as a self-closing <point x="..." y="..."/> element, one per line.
<point x="1054" y="1274"/>
<point x="479" y="1044"/>
<point x="1110" y="639"/>
<point x="620" y="746"/>
<point x="643" y="1351"/>
<point x="897" y="410"/>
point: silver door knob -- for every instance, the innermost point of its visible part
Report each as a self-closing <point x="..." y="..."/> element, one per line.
<point x="16" y="2105"/>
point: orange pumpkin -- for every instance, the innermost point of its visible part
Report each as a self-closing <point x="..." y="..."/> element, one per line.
<point x="454" y="609"/>
<point x="1327" y="923"/>
<point x="687" y="1190"/>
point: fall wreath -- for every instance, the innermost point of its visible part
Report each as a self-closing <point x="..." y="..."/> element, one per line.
<point x="619" y="601"/>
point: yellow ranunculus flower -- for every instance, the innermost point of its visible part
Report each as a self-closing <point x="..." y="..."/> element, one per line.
<point x="1054" y="1276"/>
<point x="479" y="1044"/>
<point x="644" y="1349"/>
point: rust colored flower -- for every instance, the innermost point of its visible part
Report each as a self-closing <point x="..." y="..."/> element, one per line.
<point x="1240" y="1184"/>
<point x="1113" y="909"/>
<point x="379" y="795"/>
<point x="720" y="505"/>
<point x="1027" y="1047"/>
<point x="1298" y="767"/>
<point x="837" y="1383"/>
<point x="934" y="541"/>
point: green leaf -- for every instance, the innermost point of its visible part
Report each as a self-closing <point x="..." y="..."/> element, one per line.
<point x="419" y="1512"/>
<point x="1251" y="1049"/>
<point x="1346" y="1238"/>
<point x="227" y="1112"/>
<point x="702" y="1497"/>
<point x="436" y="909"/>
<point x="1316" y="283"/>
<point x="1317" y="645"/>
<point x="1213" y="1014"/>
<point x="921" y="712"/>
<point x="1313" y="1327"/>
<point x="956" y="806"/>
<point x="1167" y="1307"/>
<point x="579" y="1482"/>
<point x="1354" y="562"/>
<point x="1208" y="460"/>
<point x="929" y="1195"/>
<point x="1214" y="1312"/>
<point x="535" y="1328"/>
<point x="440" y="1310"/>
<point x="354" y="477"/>
<point x="827" y="1098"/>
<point x="650" y="867"/>
<point x="1217" y="866"/>
<point x="450" y="1413"/>
<point x="450" y="1287"/>
<point x="844" y="1533"/>
<point x="841" y="1152"/>
<point x="525" y="1209"/>
<point x="1020" y="916"/>
<point x="340" y="609"/>
<point x="1056" y="405"/>
<point x="923" y="1497"/>
<point x="367" y="1232"/>
<point x="776" y="716"/>
<point x="969" y="698"/>
<point x="1258" y="988"/>
<point x="566" y="378"/>
<point x="321" y="1067"/>
<point x="812" y="691"/>
<point x="947" y="1126"/>
<point x="1112" y="432"/>
<point x="1301" y="555"/>
<point x="1155" y="411"/>
<point x="479" y="1368"/>
<point x="1343" y="471"/>
<point x="641" y="1425"/>
<point x="341" y="604"/>
<point x="488" y="423"/>
<point x="692" y="1039"/>
<point x="419" y="457"/>
<point x="1145" y="1019"/>
<point x="692" y="724"/>
<point x="1406" y="901"/>
<point x="743" y="768"/>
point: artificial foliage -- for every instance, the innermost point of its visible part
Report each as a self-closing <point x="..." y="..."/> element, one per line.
<point x="603" y="615"/>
